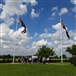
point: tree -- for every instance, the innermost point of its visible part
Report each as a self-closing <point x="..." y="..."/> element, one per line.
<point x="64" y="56"/>
<point x="56" y="56"/>
<point x="45" y="52"/>
<point x="72" y="49"/>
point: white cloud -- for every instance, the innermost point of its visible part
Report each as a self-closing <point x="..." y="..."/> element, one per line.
<point x="75" y="38"/>
<point x="55" y="38"/>
<point x="74" y="9"/>
<point x="75" y="16"/>
<point x="42" y="8"/>
<point x="72" y="33"/>
<point x="12" y="39"/>
<point x="73" y="1"/>
<point x="51" y="18"/>
<point x="45" y="35"/>
<point x="22" y="41"/>
<point x="8" y="13"/>
<point x="36" y="34"/>
<point x="57" y="26"/>
<point x="53" y="14"/>
<point x="33" y="14"/>
<point x="56" y="42"/>
<point x="16" y="8"/>
<point x="55" y="35"/>
<point x="9" y="21"/>
<point x="23" y="8"/>
<point x="33" y="2"/>
<point x="55" y="8"/>
<point x="5" y="29"/>
<point x="1" y="6"/>
<point x="46" y="30"/>
<point x="39" y="43"/>
<point x="63" y="11"/>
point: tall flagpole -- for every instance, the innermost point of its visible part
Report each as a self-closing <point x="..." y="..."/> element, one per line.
<point x="15" y="41"/>
<point x="1" y="39"/>
<point x="75" y="26"/>
<point x="60" y="38"/>
<point x="61" y="43"/>
<point x="1" y="47"/>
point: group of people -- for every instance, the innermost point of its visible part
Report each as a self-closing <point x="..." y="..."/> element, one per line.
<point x="33" y="59"/>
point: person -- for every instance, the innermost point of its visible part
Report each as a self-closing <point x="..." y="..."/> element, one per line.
<point x="30" y="59"/>
<point x="44" y="60"/>
<point x="19" y="60"/>
<point x="25" y="59"/>
<point x="48" y="60"/>
<point x="40" y="59"/>
<point x="22" y="59"/>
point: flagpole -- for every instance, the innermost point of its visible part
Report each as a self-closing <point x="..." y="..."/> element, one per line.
<point x="75" y="26"/>
<point x="61" y="43"/>
<point x="61" y="37"/>
<point x="1" y="39"/>
<point x="1" y="47"/>
<point x="15" y="41"/>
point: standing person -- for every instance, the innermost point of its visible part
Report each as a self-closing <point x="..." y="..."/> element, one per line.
<point x="30" y="60"/>
<point x="44" y="60"/>
<point x="40" y="59"/>
<point x="19" y="60"/>
<point x="25" y="59"/>
<point x="22" y="59"/>
<point x="48" y="60"/>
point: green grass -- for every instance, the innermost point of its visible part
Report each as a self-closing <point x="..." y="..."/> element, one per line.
<point x="55" y="69"/>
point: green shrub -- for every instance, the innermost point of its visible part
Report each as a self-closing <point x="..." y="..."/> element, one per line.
<point x="58" y="60"/>
<point x="5" y="61"/>
<point x="73" y="60"/>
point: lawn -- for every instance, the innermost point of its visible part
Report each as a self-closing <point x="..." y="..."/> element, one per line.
<point x="53" y="69"/>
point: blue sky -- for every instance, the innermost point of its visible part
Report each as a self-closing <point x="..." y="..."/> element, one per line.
<point x="42" y="19"/>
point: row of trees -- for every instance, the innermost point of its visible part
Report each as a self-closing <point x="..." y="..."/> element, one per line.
<point x="72" y="50"/>
<point x="46" y="51"/>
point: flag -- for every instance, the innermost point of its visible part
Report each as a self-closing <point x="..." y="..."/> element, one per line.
<point x="63" y="26"/>
<point x="67" y="34"/>
<point x="23" y="25"/>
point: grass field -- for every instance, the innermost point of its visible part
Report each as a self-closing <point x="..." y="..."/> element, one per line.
<point x="53" y="69"/>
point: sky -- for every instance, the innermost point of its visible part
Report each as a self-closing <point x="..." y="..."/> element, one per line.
<point x="42" y="20"/>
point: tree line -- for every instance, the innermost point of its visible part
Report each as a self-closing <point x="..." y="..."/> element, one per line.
<point x="46" y="52"/>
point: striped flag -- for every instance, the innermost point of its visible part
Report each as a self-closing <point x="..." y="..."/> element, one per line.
<point x="23" y="25"/>
<point x="67" y="34"/>
<point x="63" y="26"/>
